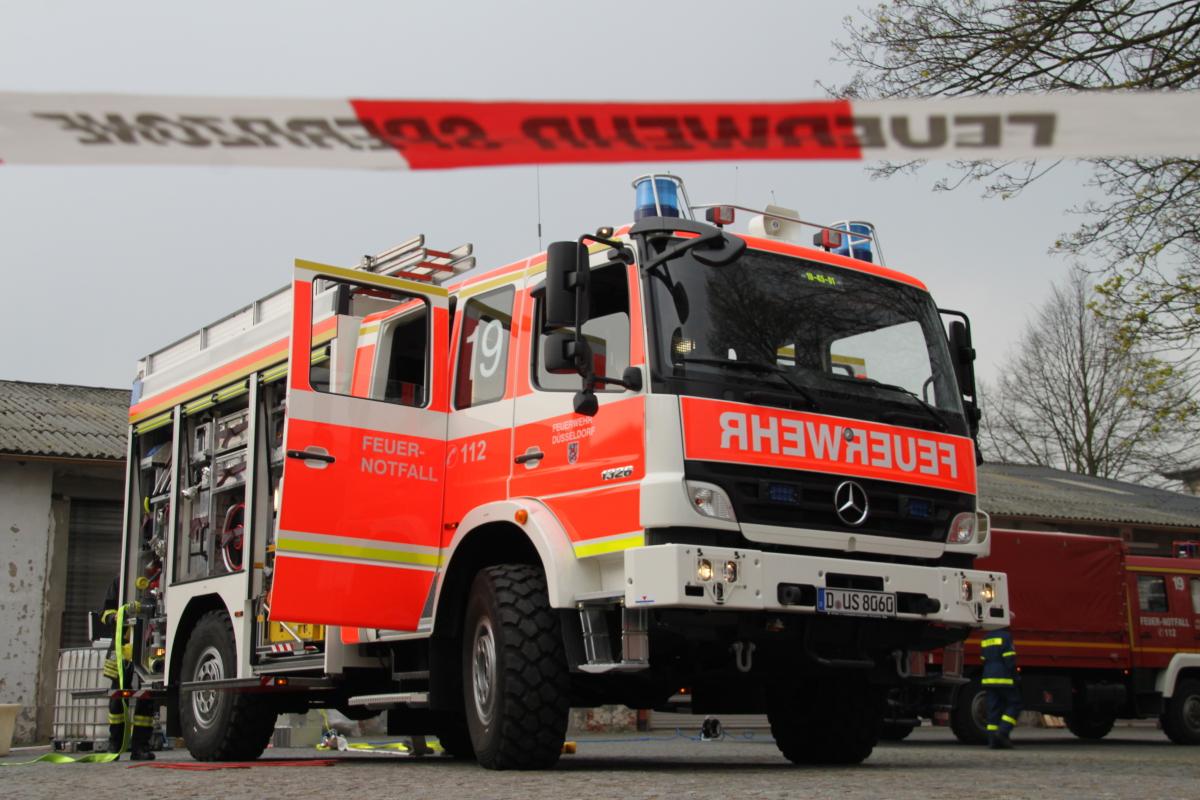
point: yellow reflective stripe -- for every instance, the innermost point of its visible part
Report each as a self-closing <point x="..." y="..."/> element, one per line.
<point x="1007" y="681"/>
<point x="990" y="642"/>
<point x="116" y="719"/>
<point x="148" y="722"/>
<point x="352" y="551"/>
<point x="1009" y="653"/>
<point x="582" y="550"/>
<point x="104" y="617"/>
<point x="1008" y="719"/>
<point x="993" y="727"/>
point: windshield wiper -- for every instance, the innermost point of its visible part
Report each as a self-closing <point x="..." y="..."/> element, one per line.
<point x="933" y="413"/>
<point x="754" y="366"/>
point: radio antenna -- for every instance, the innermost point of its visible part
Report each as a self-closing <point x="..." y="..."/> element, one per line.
<point x="538" y="172"/>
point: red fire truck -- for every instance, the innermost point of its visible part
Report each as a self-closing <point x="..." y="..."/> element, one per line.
<point x="655" y="457"/>
<point x="1100" y="635"/>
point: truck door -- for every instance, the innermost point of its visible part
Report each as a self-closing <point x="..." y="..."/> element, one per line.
<point x="360" y="504"/>
<point x="585" y="469"/>
<point x="1155" y="636"/>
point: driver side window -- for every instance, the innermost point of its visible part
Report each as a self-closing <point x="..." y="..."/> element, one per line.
<point x="606" y="331"/>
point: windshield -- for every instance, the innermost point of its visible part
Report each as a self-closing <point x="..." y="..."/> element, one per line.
<point x="779" y="330"/>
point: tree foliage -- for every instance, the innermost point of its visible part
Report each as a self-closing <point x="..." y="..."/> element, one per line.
<point x="1074" y="395"/>
<point x="1144" y="229"/>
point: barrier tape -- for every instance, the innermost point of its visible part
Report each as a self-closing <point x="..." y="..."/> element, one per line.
<point x="438" y="134"/>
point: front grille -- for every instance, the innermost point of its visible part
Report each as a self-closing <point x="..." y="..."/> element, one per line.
<point x="795" y="499"/>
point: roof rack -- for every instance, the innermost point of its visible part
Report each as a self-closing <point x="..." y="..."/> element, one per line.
<point x="413" y="260"/>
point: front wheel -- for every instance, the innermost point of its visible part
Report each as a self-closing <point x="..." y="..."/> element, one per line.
<point x="220" y="726"/>
<point x="968" y="718"/>
<point x="1090" y="723"/>
<point x="832" y="720"/>
<point x="895" y="731"/>
<point x="516" y="683"/>
<point x="1181" y="719"/>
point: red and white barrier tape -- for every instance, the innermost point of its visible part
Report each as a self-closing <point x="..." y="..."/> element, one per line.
<point x="436" y="134"/>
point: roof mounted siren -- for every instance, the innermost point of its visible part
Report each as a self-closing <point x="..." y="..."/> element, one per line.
<point x="660" y="195"/>
<point x="859" y="241"/>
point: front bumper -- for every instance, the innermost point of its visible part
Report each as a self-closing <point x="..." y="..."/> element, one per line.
<point x="665" y="576"/>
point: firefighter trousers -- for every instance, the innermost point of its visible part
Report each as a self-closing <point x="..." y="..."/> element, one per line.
<point x="143" y="712"/>
<point x="1004" y="706"/>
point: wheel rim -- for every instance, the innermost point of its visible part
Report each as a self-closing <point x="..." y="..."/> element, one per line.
<point x="1191" y="713"/>
<point x="979" y="712"/>
<point x="483" y="670"/>
<point x="210" y="667"/>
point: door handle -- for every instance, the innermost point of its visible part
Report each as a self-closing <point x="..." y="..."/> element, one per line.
<point x="304" y="455"/>
<point x="1147" y="635"/>
<point x="537" y="455"/>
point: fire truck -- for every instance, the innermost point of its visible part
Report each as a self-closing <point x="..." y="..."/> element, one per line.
<point x="1100" y="635"/>
<point x="655" y="458"/>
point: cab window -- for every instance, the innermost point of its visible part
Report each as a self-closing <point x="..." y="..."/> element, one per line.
<point x="483" y="348"/>
<point x="606" y="331"/>
<point x="370" y="343"/>
<point x="1152" y="594"/>
<point x="1195" y="583"/>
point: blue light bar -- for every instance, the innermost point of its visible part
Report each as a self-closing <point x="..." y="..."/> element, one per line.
<point x="862" y="247"/>
<point x="668" y="199"/>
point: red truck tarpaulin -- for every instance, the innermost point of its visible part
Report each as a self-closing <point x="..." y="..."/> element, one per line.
<point x="444" y="134"/>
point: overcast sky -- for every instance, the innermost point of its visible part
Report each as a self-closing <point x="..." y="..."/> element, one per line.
<point x="103" y="265"/>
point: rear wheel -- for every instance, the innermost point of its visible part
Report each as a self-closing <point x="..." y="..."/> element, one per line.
<point x="834" y="720"/>
<point x="516" y="684"/>
<point x="1090" y="723"/>
<point x="1181" y="719"/>
<point x="220" y="726"/>
<point x="968" y="718"/>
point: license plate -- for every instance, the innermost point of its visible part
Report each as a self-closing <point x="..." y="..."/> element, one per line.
<point x="856" y="603"/>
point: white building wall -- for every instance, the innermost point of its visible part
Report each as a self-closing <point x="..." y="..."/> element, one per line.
<point x="26" y="535"/>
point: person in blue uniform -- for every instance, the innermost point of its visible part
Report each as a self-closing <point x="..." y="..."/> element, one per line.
<point x="1003" y="685"/>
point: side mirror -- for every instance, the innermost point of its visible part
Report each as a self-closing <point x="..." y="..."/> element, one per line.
<point x="561" y="354"/>
<point x="964" y="357"/>
<point x="567" y="274"/>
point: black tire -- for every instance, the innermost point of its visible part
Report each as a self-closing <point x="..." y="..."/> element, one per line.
<point x="1090" y="723"/>
<point x="968" y="718"/>
<point x="455" y="740"/>
<point x="895" y="731"/>
<point x="516" y="683"/>
<point x="220" y="726"/>
<point x="1181" y="718"/>
<point x="834" y="720"/>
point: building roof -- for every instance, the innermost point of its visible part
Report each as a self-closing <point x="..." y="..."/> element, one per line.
<point x="1013" y="490"/>
<point x="61" y="421"/>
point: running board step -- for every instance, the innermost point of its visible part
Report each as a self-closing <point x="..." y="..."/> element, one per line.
<point x="385" y="701"/>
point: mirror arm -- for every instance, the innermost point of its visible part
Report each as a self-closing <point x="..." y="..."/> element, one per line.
<point x="680" y="248"/>
<point x="623" y="251"/>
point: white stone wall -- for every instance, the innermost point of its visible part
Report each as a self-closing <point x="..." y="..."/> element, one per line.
<point x="26" y="534"/>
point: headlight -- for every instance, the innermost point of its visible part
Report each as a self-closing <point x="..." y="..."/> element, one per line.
<point x="730" y="572"/>
<point x="711" y="501"/>
<point x="704" y="570"/>
<point x="988" y="592"/>
<point x="962" y="529"/>
<point x="968" y="591"/>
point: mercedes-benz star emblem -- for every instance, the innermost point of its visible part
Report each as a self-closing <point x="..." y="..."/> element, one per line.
<point x="850" y="501"/>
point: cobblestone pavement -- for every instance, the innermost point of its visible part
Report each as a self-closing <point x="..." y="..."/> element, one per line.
<point x="1131" y="763"/>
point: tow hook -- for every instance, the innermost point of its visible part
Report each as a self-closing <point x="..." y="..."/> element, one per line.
<point x="902" y="661"/>
<point x="738" y="649"/>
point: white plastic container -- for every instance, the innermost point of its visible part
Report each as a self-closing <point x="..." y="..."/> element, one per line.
<point x="8" y="717"/>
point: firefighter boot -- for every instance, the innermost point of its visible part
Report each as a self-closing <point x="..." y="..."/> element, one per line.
<point x="141" y="752"/>
<point x="1002" y="742"/>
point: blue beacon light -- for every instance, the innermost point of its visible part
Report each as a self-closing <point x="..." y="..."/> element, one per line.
<point x="862" y="247"/>
<point x="668" y="199"/>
